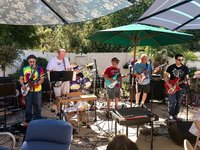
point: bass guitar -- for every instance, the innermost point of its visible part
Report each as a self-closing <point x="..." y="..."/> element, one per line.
<point x="111" y="84"/>
<point x="29" y="84"/>
<point x="174" y="86"/>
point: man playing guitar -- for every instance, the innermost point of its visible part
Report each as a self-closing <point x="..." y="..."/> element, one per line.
<point x="31" y="77"/>
<point x="112" y="74"/>
<point x="142" y="71"/>
<point x="176" y="79"/>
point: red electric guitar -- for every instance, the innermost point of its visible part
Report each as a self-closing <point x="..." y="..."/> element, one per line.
<point x="175" y="86"/>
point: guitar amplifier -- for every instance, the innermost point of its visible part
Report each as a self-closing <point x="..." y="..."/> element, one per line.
<point x="5" y="80"/>
<point x="7" y="87"/>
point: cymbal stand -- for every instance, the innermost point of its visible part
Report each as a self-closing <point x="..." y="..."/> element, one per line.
<point x="94" y="87"/>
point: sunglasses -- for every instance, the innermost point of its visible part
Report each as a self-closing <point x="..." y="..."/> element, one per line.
<point x="180" y="59"/>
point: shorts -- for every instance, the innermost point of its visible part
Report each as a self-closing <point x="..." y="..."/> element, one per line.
<point x="62" y="89"/>
<point x="113" y="92"/>
<point x="143" y="88"/>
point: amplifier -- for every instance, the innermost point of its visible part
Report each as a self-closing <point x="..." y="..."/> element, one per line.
<point x="6" y="80"/>
<point x="7" y="87"/>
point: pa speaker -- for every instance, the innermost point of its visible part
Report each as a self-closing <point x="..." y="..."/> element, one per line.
<point x="158" y="89"/>
<point x="180" y="131"/>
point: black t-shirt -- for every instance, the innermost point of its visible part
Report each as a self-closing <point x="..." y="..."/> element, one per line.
<point x="178" y="72"/>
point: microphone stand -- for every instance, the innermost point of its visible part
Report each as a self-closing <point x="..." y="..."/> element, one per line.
<point x="151" y="87"/>
<point x="95" y="88"/>
<point x="187" y="90"/>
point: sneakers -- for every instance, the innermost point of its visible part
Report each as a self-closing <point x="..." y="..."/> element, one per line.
<point x="143" y="106"/>
<point x="24" y="124"/>
<point x="58" y="115"/>
<point x="136" y="105"/>
<point x="172" y="119"/>
<point x="177" y="119"/>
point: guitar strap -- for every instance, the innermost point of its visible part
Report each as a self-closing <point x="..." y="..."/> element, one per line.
<point x="32" y="74"/>
<point x="64" y="64"/>
<point x="31" y="78"/>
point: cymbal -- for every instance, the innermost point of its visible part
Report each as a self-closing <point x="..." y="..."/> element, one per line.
<point x="90" y="64"/>
<point x="93" y="70"/>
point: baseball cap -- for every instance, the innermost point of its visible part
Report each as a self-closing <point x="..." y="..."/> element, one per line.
<point x="115" y="59"/>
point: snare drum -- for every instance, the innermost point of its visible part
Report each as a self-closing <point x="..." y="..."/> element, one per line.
<point x="74" y="85"/>
<point x="86" y="83"/>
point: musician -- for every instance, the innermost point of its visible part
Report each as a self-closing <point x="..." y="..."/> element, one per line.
<point x="60" y="63"/>
<point x="33" y="76"/>
<point x="180" y="73"/>
<point x="109" y="74"/>
<point x="142" y="70"/>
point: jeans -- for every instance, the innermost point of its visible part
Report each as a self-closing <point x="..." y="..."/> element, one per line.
<point x="33" y="106"/>
<point x="175" y="101"/>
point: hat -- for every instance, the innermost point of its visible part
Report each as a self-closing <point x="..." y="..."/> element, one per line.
<point x="115" y="59"/>
<point x="62" y="50"/>
<point x="31" y="57"/>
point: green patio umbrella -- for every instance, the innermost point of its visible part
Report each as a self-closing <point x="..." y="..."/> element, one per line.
<point x="140" y="35"/>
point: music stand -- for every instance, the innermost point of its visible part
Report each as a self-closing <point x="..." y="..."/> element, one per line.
<point x="61" y="76"/>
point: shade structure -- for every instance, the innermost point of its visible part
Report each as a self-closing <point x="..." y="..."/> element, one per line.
<point x="173" y="14"/>
<point x="52" y="12"/>
<point x="140" y="35"/>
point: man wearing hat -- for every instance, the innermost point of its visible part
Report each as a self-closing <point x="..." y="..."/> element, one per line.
<point x="60" y="63"/>
<point x="31" y="78"/>
<point x="112" y="77"/>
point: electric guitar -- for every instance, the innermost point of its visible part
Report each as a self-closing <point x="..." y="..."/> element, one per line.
<point x="111" y="84"/>
<point x="175" y="86"/>
<point x="29" y="84"/>
<point x="140" y="78"/>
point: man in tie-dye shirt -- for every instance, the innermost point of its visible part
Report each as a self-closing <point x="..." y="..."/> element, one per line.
<point x="31" y="78"/>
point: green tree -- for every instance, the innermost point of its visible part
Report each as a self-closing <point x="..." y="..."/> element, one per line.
<point x="8" y="56"/>
<point x="12" y="40"/>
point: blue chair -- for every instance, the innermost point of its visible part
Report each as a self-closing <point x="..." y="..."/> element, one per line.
<point x="48" y="135"/>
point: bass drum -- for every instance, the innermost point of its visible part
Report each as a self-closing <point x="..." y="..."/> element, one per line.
<point x="74" y="86"/>
<point x="86" y="83"/>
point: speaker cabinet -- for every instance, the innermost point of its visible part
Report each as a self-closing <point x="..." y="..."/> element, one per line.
<point x="180" y="131"/>
<point x="158" y="89"/>
<point x="7" y="87"/>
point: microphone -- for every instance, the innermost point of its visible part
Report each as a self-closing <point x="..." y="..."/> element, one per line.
<point x="31" y="65"/>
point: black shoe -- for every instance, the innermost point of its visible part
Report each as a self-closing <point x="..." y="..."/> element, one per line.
<point x="58" y="114"/>
<point x="74" y="131"/>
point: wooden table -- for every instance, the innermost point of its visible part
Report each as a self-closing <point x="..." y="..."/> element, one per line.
<point x="76" y="97"/>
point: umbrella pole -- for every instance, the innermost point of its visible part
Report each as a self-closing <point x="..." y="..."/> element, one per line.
<point x="132" y="79"/>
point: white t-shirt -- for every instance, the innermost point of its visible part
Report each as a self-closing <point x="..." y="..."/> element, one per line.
<point x="58" y="65"/>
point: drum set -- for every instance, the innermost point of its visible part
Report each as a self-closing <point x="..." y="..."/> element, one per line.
<point x="86" y="79"/>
